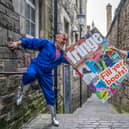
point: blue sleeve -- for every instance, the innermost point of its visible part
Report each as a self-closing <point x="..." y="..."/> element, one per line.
<point x="58" y="61"/>
<point x="55" y="63"/>
<point x="64" y="60"/>
<point x="128" y="54"/>
<point x="34" y="43"/>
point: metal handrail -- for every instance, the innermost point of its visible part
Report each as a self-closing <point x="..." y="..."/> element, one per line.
<point x="11" y="73"/>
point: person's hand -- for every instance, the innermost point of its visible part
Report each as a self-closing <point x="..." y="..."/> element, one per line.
<point x="113" y="48"/>
<point x="13" y="45"/>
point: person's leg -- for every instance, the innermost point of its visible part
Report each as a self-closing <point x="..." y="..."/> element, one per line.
<point x="28" y="77"/>
<point x="52" y="110"/>
<point x="46" y="83"/>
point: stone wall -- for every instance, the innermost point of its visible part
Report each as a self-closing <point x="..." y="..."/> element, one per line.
<point x="46" y="19"/>
<point x="74" y="91"/>
<point x="75" y="94"/>
<point x="118" y="36"/>
<point x="12" y="27"/>
<point x="67" y="14"/>
<point x="12" y="116"/>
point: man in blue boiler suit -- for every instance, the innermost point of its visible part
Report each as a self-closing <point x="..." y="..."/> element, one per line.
<point x="49" y="57"/>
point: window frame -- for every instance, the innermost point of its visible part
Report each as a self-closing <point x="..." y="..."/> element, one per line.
<point x="36" y="21"/>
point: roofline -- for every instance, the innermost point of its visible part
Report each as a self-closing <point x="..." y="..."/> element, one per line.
<point x="117" y="13"/>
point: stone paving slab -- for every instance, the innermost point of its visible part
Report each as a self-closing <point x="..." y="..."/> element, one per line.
<point x="92" y="115"/>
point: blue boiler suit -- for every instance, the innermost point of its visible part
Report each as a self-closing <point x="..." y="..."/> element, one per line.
<point x="41" y="67"/>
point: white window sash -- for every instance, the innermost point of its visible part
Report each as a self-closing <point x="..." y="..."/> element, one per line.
<point x="36" y="7"/>
<point x="37" y="19"/>
<point x="29" y="36"/>
<point x="32" y="5"/>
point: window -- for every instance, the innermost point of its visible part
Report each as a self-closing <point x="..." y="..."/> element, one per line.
<point x="76" y="37"/>
<point x="30" y="14"/>
<point x="76" y="3"/>
<point x="66" y="30"/>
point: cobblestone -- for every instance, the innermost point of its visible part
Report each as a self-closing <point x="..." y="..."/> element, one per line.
<point x="92" y="115"/>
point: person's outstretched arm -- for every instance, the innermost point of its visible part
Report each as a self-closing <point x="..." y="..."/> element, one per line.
<point x="124" y="52"/>
<point x="55" y="63"/>
<point x="121" y="51"/>
<point x="30" y="43"/>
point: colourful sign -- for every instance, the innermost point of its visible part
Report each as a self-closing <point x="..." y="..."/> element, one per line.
<point x="100" y="67"/>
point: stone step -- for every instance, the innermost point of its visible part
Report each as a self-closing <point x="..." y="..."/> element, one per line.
<point x="92" y="115"/>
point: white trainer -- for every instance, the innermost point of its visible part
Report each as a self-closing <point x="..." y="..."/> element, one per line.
<point x="55" y="122"/>
<point x="52" y="111"/>
<point x="19" y="100"/>
<point x="22" y="92"/>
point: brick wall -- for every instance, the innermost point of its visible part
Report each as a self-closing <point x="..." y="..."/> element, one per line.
<point x="118" y="36"/>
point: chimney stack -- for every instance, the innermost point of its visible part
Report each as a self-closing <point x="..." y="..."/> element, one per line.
<point x="109" y="16"/>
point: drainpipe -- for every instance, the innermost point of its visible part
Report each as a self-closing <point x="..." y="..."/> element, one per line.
<point x="10" y="73"/>
<point x="55" y="32"/>
<point x="80" y="38"/>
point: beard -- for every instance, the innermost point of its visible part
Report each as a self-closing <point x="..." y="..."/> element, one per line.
<point x="60" y="46"/>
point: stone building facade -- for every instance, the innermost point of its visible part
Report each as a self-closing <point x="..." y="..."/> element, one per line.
<point x="17" y="19"/>
<point x="69" y="81"/>
<point x="118" y="36"/>
<point x="34" y="18"/>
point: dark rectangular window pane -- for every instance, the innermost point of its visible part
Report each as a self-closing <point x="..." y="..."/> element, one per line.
<point x="32" y="1"/>
<point x="32" y="14"/>
<point x="27" y="11"/>
<point x="30" y="18"/>
<point x="32" y="29"/>
<point x="27" y="27"/>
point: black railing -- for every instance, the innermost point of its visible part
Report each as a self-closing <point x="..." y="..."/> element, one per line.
<point x="11" y="73"/>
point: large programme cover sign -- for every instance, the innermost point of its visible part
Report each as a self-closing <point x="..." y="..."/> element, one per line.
<point x="102" y="69"/>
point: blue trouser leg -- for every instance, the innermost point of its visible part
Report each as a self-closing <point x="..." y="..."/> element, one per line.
<point x="46" y="83"/>
<point x="30" y="75"/>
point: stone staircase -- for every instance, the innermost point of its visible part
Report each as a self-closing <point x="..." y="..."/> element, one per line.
<point x="92" y="115"/>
